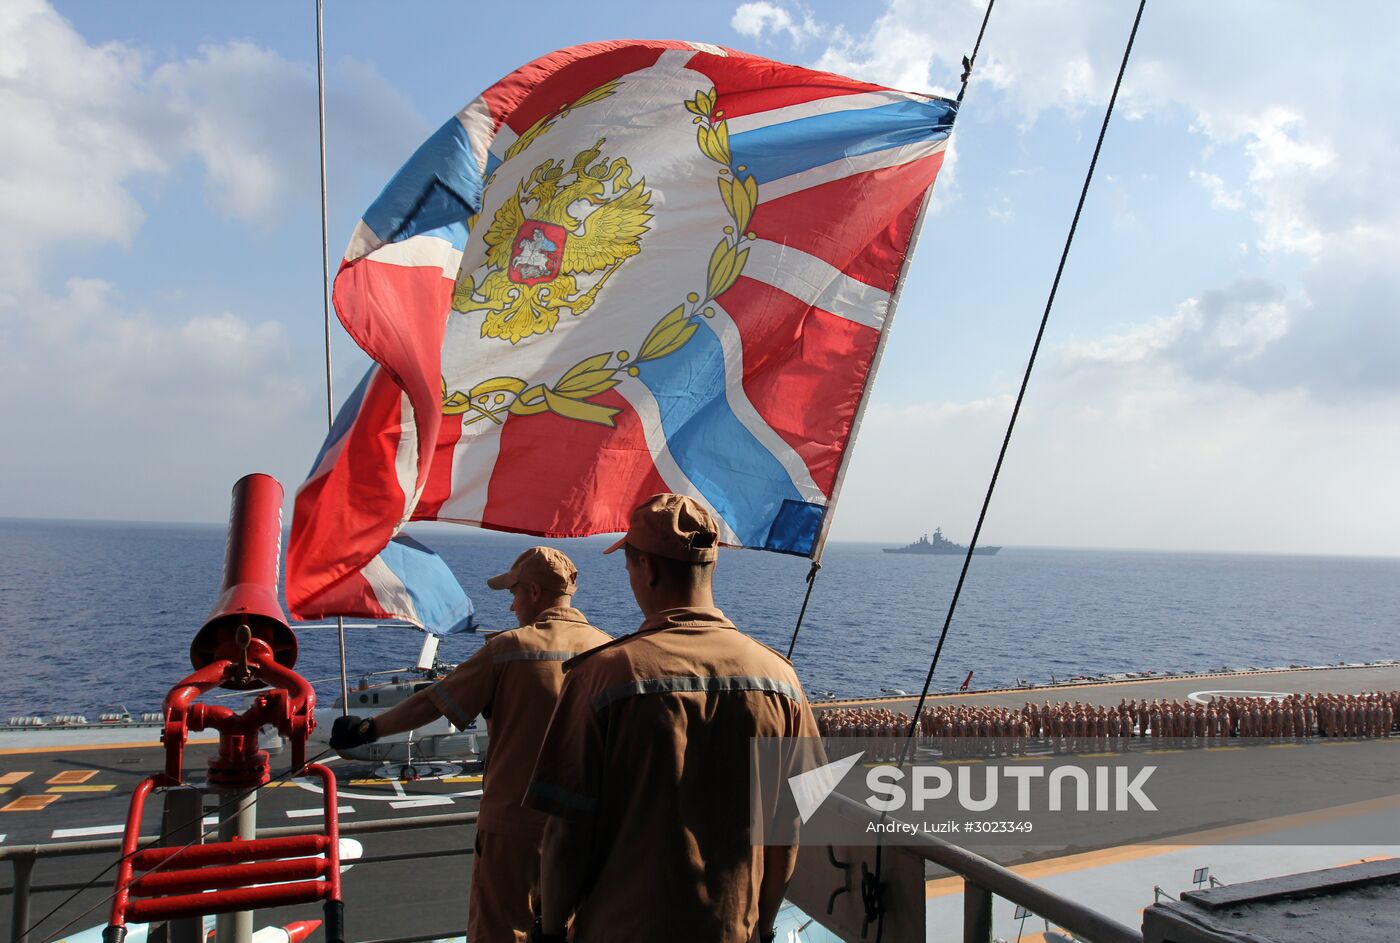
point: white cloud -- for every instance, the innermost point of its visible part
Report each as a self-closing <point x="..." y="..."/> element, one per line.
<point x="138" y="407"/>
<point x="249" y="116"/>
<point x="1133" y="458"/>
<point x="1284" y="167"/>
<point x="1221" y="196"/>
<point x="1219" y="335"/>
<point x="756" y="20"/>
<point x="156" y="419"/>
<point x="85" y="122"/>
<point x="75" y="133"/>
<point x="1321" y="183"/>
<point x="87" y="347"/>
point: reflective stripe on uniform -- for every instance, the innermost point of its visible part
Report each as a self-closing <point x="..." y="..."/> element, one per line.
<point x="561" y="796"/>
<point x="687" y="684"/>
<point x="450" y="708"/>
<point x="524" y="655"/>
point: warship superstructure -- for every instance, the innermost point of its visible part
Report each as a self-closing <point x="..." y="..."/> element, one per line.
<point x="938" y="545"/>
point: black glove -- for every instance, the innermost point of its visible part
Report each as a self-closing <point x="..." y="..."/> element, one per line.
<point x="350" y="732"/>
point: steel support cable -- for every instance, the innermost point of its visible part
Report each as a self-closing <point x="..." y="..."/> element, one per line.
<point x="1025" y="379"/>
<point x="801" y="613"/>
<point x="232" y="800"/>
<point x="1020" y="395"/>
<point x="326" y="298"/>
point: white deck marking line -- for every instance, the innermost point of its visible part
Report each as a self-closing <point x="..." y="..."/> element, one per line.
<point x="308" y="813"/>
<point x="2" y="839"/>
<point x="419" y="803"/>
<point x="85" y="832"/>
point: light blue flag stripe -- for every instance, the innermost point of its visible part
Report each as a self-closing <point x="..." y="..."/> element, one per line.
<point x="780" y="150"/>
<point x="442" y="606"/>
<point x="734" y="472"/>
<point x="433" y="193"/>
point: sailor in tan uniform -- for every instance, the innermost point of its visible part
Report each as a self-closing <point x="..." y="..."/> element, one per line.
<point x="513" y="681"/>
<point x="645" y="767"/>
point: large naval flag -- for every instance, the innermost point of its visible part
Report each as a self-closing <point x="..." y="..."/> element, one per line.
<point x="626" y="268"/>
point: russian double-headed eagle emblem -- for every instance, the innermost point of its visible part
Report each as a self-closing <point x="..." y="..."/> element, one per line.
<point x="554" y="243"/>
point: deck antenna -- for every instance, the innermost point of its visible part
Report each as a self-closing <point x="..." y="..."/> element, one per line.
<point x="326" y="297"/>
<point x="967" y="64"/>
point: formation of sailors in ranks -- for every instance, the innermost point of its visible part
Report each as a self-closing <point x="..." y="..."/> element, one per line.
<point x="1073" y="727"/>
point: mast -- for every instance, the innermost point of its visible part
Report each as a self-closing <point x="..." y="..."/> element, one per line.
<point x="326" y="295"/>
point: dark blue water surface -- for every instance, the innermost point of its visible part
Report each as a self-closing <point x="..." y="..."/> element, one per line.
<point x="96" y="615"/>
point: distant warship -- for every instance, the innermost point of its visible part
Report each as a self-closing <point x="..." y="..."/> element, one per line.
<point x="939" y="545"/>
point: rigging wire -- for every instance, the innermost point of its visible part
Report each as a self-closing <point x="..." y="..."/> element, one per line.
<point x="326" y="296"/>
<point x="1026" y="377"/>
<point x="1020" y="396"/>
<point x="806" y="598"/>
<point x="236" y="798"/>
<point x="968" y="63"/>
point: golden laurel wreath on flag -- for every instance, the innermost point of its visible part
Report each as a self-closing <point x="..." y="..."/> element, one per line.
<point x="530" y="276"/>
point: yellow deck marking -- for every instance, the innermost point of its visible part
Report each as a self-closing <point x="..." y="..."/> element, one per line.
<point x="9" y="779"/>
<point x="1222" y="749"/>
<point x="30" y="803"/>
<point x="461" y="779"/>
<point x="1037" y="870"/>
<point x="1163" y="751"/>
<point x="966" y="762"/>
<point x="71" y="777"/>
<point x="1284" y="746"/>
<point x="94" y="788"/>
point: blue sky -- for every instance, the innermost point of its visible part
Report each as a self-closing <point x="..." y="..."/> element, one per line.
<point x="1218" y="373"/>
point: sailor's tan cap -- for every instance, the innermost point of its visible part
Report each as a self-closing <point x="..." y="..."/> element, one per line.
<point x="672" y="526"/>
<point x="547" y="568"/>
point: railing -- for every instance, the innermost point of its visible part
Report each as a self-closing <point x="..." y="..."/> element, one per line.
<point x="983" y="879"/>
<point x="902" y="897"/>
<point x="23" y="858"/>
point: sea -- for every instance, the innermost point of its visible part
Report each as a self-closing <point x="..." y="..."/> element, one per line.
<point x="97" y="617"/>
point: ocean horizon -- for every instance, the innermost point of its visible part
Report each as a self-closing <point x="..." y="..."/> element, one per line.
<point x="96" y="615"/>
<point x="434" y="528"/>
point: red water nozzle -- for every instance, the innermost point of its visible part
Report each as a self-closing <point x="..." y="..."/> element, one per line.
<point x="245" y="644"/>
<point x="248" y="596"/>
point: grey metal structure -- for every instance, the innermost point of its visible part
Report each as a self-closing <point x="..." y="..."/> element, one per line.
<point x="902" y="876"/>
<point x="829" y="885"/>
<point x="1358" y="903"/>
<point x="22" y="859"/>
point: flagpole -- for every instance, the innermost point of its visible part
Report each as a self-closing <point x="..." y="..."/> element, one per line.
<point x="326" y="296"/>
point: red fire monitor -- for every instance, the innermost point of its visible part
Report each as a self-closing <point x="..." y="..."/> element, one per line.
<point x="246" y="644"/>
